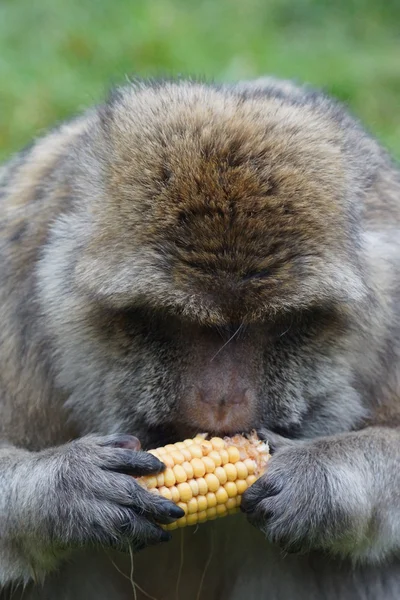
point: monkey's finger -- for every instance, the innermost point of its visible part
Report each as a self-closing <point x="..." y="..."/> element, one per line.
<point x="275" y="440"/>
<point x="164" y="512"/>
<point x="261" y="513"/>
<point x="125" y="491"/>
<point x="127" y="529"/>
<point x="156" y="507"/>
<point x="122" y="460"/>
<point x="263" y="489"/>
<point x="140" y="530"/>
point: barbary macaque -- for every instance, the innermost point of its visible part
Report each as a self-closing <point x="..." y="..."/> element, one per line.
<point x="193" y="258"/>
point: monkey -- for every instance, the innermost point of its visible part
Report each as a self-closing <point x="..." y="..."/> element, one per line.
<point x="199" y="257"/>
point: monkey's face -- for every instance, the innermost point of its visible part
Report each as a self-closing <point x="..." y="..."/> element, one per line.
<point x="219" y="265"/>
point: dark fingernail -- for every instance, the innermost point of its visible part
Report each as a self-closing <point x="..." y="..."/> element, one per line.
<point x="247" y="504"/>
<point x="175" y="511"/>
<point x="156" y="464"/>
<point x="165" y="536"/>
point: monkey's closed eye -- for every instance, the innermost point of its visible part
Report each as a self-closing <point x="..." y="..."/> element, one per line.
<point x="300" y="320"/>
<point x="262" y="274"/>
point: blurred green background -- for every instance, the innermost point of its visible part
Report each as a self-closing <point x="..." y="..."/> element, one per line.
<point x="59" y="56"/>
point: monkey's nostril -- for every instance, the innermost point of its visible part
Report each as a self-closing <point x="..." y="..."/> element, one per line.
<point x="240" y="397"/>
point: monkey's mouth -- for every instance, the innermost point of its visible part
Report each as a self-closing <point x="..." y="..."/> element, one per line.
<point x="221" y="419"/>
<point x="155" y="439"/>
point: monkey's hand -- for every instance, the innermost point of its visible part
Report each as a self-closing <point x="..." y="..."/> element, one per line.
<point x="339" y="494"/>
<point x="79" y="494"/>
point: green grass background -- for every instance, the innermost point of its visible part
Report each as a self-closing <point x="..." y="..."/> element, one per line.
<point x="59" y="56"/>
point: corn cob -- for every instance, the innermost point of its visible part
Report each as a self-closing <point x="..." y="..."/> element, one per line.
<point x="207" y="478"/>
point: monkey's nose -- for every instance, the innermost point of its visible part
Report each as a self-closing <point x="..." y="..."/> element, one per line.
<point x="233" y="397"/>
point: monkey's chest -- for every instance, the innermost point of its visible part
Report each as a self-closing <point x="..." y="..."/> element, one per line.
<point x="230" y="560"/>
<point x="226" y="559"/>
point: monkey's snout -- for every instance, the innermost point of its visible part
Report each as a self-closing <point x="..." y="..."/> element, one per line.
<point x="222" y="411"/>
<point x="229" y="398"/>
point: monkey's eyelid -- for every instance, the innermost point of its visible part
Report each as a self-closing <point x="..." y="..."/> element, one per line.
<point x="262" y="274"/>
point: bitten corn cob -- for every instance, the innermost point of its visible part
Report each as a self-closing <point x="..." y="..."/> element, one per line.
<point x="207" y="478"/>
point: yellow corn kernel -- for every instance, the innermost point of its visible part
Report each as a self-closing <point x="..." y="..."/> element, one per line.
<point x="182" y="522"/>
<point x="221" y="509"/>
<point x="168" y="448"/>
<point x="231" y="472"/>
<point x="211" y="513"/>
<point x="151" y="482"/>
<point x="217" y="443"/>
<point x="174" y="493"/>
<point x="169" y="477"/>
<point x="221" y="495"/>
<point x="185" y="491"/>
<point x="251" y="479"/>
<point x="165" y="492"/>
<point x="231" y="503"/>
<point x="241" y="470"/>
<point x="212" y="482"/>
<point x="180" y="473"/>
<point x="191" y="519"/>
<point x="230" y="488"/>
<point x="209" y="464"/>
<point x="201" y="503"/>
<point x="221" y="474"/>
<point x="233" y="453"/>
<point x="190" y="471"/>
<point x="207" y="478"/>
<point x="250" y="464"/>
<point x="203" y="487"/>
<point x="199" y="467"/>
<point x="167" y="460"/>
<point x="216" y="457"/>
<point x="196" y="451"/>
<point x="185" y="452"/>
<point x="178" y="457"/>
<point x="211" y="500"/>
<point x="194" y="486"/>
<point x="224" y="456"/>
<point x="192" y="506"/>
<point x="206" y="446"/>
<point x="241" y="486"/>
<point x="180" y="445"/>
<point x="160" y="480"/>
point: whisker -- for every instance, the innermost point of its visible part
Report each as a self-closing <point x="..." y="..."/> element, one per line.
<point x="228" y="341"/>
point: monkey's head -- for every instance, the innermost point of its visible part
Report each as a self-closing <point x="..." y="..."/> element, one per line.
<point x="207" y="273"/>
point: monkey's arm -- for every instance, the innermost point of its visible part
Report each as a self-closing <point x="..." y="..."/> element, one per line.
<point x="339" y="493"/>
<point x="62" y="498"/>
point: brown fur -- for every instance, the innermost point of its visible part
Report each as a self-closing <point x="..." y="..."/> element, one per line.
<point x="189" y="257"/>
